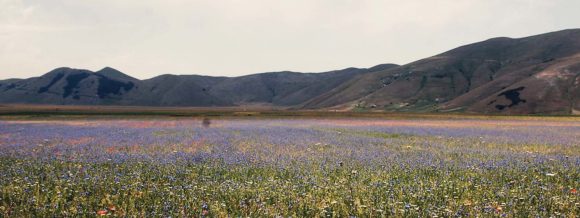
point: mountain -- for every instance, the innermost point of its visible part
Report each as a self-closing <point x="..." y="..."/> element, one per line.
<point x="532" y="75"/>
<point x="111" y="87"/>
<point x="537" y="74"/>
<point x="114" y="74"/>
<point x="65" y="86"/>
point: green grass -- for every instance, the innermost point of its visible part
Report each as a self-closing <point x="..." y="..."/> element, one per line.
<point x="149" y="189"/>
<point x="321" y="170"/>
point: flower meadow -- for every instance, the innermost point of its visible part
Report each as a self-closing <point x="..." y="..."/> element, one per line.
<point x="281" y="167"/>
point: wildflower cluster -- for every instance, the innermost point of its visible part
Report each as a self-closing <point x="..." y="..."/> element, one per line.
<point x="289" y="167"/>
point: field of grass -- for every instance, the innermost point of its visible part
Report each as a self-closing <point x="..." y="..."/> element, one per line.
<point x="427" y="166"/>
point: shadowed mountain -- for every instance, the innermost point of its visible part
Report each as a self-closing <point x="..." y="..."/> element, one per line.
<point x="111" y="87"/>
<point x="114" y="74"/>
<point x="537" y="74"/>
<point x="65" y="86"/>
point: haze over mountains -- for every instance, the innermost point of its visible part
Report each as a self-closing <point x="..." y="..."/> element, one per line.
<point x="537" y="74"/>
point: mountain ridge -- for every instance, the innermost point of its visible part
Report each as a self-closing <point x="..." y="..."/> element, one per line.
<point x="109" y="86"/>
<point x="530" y="75"/>
<point x="434" y="83"/>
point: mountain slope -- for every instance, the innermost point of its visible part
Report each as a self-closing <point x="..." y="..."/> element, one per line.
<point x="111" y="87"/>
<point x="536" y="74"/>
<point x="283" y="88"/>
<point x="483" y="77"/>
<point x="65" y="86"/>
<point x="114" y="74"/>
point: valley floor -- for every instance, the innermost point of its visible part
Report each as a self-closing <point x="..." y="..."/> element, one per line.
<point x="308" y="166"/>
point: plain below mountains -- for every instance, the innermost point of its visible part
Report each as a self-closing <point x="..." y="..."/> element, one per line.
<point x="532" y="75"/>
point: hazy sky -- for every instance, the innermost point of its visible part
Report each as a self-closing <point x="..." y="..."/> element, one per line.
<point x="145" y="38"/>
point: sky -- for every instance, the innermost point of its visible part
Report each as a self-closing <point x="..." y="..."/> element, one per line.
<point x="146" y="38"/>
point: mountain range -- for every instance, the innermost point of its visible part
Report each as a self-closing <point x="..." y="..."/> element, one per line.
<point x="532" y="75"/>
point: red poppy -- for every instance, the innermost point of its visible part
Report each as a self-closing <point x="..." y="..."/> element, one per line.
<point x="102" y="212"/>
<point x="573" y="191"/>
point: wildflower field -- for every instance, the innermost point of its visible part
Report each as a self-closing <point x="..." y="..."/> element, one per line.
<point x="303" y="167"/>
